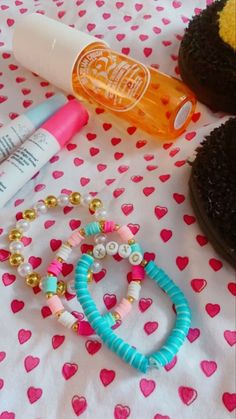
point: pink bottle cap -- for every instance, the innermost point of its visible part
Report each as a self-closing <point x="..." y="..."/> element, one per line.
<point x="67" y="121"/>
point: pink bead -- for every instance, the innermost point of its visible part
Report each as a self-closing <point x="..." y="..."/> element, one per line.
<point x="84" y="329"/>
<point x="123" y="308"/>
<point x="125" y="233"/>
<point x="109" y="226"/>
<point x="138" y="273"/>
<point x="55" y="267"/>
<point x="75" y="239"/>
<point x="55" y="304"/>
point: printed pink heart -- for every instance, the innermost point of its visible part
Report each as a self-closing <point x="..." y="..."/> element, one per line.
<point x="107" y="126"/>
<point x="137" y="178"/>
<point x="101" y="167"/>
<point x="100" y="3"/>
<point x="193" y="334"/>
<point x="176" y="4"/>
<point x="198" y="284"/>
<point x="138" y="6"/>
<point x="2" y="356"/>
<point x="171" y="364"/>
<point x="156" y="30"/>
<point x="8" y="279"/>
<point x="31" y="362"/>
<point x="39" y="187"/>
<point x="180" y="163"/>
<point x="69" y="369"/>
<point x="134" y="228"/>
<point x="67" y="268"/>
<point x="141" y="143"/>
<point x="196" y="116"/>
<point x="74" y="224"/>
<point x="57" y="174"/>
<point x="4" y="255"/>
<point x="229" y="400"/>
<point x="120" y="36"/>
<point x="185" y="19"/>
<point x="147" y="386"/>
<point x="3" y="99"/>
<point x="187" y="395"/>
<point x="147" y="52"/>
<point x="91" y="26"/>
<point x="117" y="192"/>
<point x="118" y="156"/>
<point x="26" y="241"/>
<point x="165" y="21"/>
<point x="115" y="141"/>
<point x="121" y="412"/>
<point x="212" y="309"/>
<point x="109" y="181"/>
<point x="159" y="416"/>
<point x="179" y="198"/>
<point x="45" y="312"/>
<point x="232" y="288"/>
<point x="189" y="219"/>
<point x="119" y="4"/>
<point x="10" y="22"/>
<point x="84" y="181"/>
<point x="82" y="13"/>
<point x="49" y="223"/>
<point x="164" y="178"/>
<point x="149" y="256"/>
<point x="27" y="103"/>
<point x="190" y="135"/>
<point x="175" y="151"/>
<point x="123" y="168"/>
<point x="26" y="91"/>
<point x="61" y="14"/>
<point x="215" y="264"/>
<point x="79" y="405"/>
<point x="6" y="55"/>
<point x="17" y="305"/>
<point x="34" y="394"/>
<point x="109" y="300"/>
<point x="57" y="340"/>
<point x="160" y="212"/>
<point x="99" y="275"/>
<point x="182" y="262"/>
<point x="127" y="209"/>
<point x="208" y="367"/>
<point x="92" y="346"/>
<point x="230" y="337"/>
<point x="106" y="16"/>
<point x="1" y="383"/>
<point x="71" y="146"/>
<point x="143" y="37"/>
<point x="7" y="415"/>
<point x="107" y="376"/>
<point x="202" y="240"/>
<point x="150" y="327"/>
<point x="35" y="261"/>
<point x="94" y="151"/>
<point x="144" y="304"/>
<point x="148" y="190"/>
<point x="166" y="235"/>
<point x="55" y="244"/>
<point x="53" y="160"/>
<point x="24" y="335"/>
<point x="78" y="162"/>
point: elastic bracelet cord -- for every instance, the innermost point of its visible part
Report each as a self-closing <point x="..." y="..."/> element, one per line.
<point x="125" y="351"/>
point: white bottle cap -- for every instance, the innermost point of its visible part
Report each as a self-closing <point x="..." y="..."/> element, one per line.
<point x="49" y="48"/>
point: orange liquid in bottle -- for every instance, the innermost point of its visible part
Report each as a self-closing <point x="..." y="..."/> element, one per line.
<point x="158" y="104"/>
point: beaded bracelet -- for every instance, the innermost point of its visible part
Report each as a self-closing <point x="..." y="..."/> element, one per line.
<point x="16" y="233"/>
<point x="130" y="250"/>
<point x="125" y="351"/>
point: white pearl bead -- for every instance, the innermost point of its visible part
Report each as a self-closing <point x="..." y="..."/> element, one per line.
<point x="22" y="225"/>
<point x="100" y="238"/>
<point x="96" y="266"/>
<point x="71" y="287"/>
<point x="86" y="199"/>
<point x="112" y="248"/>
<point x="25" y="269"/>
<point x="63" y="200"/>
<point x="40" y="207"/>
<point x="100" y="214"/>
<point x="99" y="251"/>
<point x="16" y="247"/>
<point x="124" y="250"/>
<point x="135" y="258"/>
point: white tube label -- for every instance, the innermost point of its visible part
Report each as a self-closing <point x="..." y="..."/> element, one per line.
<point x="25" y="162"/>
<point x="14" y="134"/>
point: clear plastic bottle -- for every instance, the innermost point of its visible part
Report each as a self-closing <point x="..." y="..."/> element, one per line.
<point x="78" y="63"/>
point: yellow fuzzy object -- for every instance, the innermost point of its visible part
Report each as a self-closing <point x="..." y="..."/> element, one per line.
<point x="227" y="23"/>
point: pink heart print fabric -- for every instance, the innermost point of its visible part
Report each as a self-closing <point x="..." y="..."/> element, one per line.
<point x="46" y="371"/>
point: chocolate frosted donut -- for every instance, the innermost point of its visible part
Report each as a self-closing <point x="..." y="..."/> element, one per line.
<point x="207" y="56"/>
<point x="213" y="189"/>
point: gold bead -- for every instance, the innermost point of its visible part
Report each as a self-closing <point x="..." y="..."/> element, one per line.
<point x="33" y="279"/>
<point x="131" y="241"/>
<point x="49" y="295"/>
<point x="90" y="252"/>
<point x="29" y="214"/>
<point x="130" y="299"/>
<point x="68" y="245"/>
<point x="82" y="232"/>
<point x="51" y="201"/>
<point x="90" y="276"/>
<point x="116" y="316"/>
<point x="75" y="327"/>
<point x="95" y="204"/>
<point x="15" y="235"/>
<point x="137" y="281"/>
<point x="144" y="263"/>
<point x="102" y="225"/>
<point x="61" y="288"/>
<point x="59" y="313"/>
<point x="75" y="198"/>
<point x="60" y="259"/>
<point x="117" y="226"/>
<point x="16" y="259"/>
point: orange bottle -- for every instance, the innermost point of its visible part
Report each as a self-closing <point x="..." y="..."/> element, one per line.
<point x="78" y="63"/>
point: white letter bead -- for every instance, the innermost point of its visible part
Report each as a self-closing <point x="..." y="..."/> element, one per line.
<point x="135" y="258"/>
<point x="67" y="319"/>
<point x="134" y="290"/>
<point x="64" y="252"/>
<point x="112" y="248"/>
<point x="99" y="251"/>
<point x="124" y="250"/>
